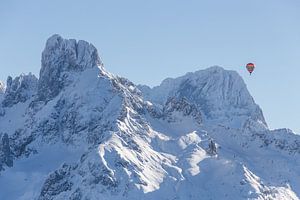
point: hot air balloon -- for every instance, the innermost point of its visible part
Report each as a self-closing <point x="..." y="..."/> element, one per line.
<point x="250" y="67"/>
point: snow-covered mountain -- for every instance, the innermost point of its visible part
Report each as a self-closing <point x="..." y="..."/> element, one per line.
<point x="80" y="132"/>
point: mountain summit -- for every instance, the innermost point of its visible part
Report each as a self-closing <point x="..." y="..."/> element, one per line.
<point x="80" y="132"/>
<point x="61" y="56"/>
<point x="221" y="95"/>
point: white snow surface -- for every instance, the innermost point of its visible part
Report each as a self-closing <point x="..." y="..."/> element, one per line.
<point x="98" y="136"/>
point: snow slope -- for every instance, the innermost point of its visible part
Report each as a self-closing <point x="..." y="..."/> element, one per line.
<point x="80" y="132"/>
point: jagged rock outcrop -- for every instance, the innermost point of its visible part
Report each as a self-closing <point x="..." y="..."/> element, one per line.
<point x="61" y="56"/>
<point x="19" y="89"/>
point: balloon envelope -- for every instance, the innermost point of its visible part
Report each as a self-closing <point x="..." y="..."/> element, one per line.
<point x="250" y="67"/>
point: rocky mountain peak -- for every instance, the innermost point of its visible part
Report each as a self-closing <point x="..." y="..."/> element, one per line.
<point x="217" y="92"/>
<point x="61" y="56"/>
<point x="76" y="55"/>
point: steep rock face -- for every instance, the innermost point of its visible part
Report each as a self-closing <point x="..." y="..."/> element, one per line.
<point x="219" y="94"/>
<point x="19" y="89"/>
<point x="61" y="56"/>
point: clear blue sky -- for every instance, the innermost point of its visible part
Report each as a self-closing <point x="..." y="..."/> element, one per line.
<point x="147" y="41"/>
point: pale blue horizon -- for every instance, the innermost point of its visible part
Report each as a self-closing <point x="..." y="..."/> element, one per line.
<point x="147" y="42"/>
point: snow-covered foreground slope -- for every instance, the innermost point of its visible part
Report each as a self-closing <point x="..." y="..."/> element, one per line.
<point x="79" y="132"/>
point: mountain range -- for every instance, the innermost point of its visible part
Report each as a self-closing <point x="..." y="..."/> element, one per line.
<point x="79" y="132"/>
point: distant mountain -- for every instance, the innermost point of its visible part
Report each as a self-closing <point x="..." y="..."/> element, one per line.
<point x="80" y="132"/>
<point x="221" y="95"/>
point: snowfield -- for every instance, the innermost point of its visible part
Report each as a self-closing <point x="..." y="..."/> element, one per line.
<point x="80" y="132"/>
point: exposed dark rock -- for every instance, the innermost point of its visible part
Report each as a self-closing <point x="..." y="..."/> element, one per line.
<point x="56" y="183"/>
<point x="6" y="157"/>
<point x="19" y="89"/>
